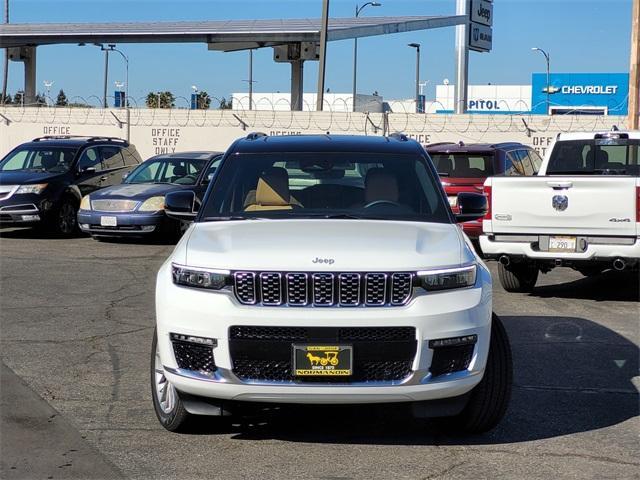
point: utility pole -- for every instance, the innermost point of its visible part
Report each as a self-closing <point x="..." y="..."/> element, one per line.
<point x="250" y="79"/>
<point x="634" y="66"/>
<point x="106" y="77"/>
<point x="6" y="57"/>
<point x="324" y="27"/>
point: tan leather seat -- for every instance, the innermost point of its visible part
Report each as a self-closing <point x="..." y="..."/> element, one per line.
<point x="272" y="191"/>
<point x="380" y="185"/>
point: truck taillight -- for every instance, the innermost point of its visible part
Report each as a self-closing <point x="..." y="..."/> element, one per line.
<point x="487" y="193"/>
<point x="637" y="204"/>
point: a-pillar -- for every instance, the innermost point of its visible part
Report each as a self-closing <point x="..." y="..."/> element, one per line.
<point x="297" y="84"/>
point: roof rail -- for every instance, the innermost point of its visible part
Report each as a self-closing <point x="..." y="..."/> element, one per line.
<point x="56" y="137"/>
<point x="255" y="135"/>
<point x="399" y="136"/>
<point x="437" y="144"/>
<point x="89" y="138"/>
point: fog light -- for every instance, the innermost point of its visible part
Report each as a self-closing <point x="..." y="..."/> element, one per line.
<point x="30" y="218"/>
<point x="178" y="337"/>
<point x="84" y="226"/>
<point x="453" y="342"/>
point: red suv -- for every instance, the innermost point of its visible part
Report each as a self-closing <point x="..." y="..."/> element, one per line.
<point x="465" y="167"/>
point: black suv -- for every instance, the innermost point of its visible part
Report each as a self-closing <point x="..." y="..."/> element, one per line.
<point x="43" y="181"/>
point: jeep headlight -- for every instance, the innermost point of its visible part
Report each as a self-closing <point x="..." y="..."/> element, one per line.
<point x="447" y="279"/>
<point x="35" y="188"/>
<point x="85" y="203"/>
<point x="200" y="277"/>
<point x="152" y="204"/>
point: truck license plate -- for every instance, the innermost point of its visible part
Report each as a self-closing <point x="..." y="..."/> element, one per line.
<point x="562" y="244"/>
<point x="330" y="360"/>
<point x="109" y="221"/>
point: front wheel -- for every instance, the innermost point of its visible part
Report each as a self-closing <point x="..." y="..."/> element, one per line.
<point x="166" y="399"/>
<point x="65" y="221"/>
<point x="518" y="277"/>
<point x="490" y="398"/>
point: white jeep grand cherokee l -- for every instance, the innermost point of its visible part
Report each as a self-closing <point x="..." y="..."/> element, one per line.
<point x="327" y="270"/>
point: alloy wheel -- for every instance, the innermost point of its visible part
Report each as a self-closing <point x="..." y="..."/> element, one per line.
<point x="165" y="392"/>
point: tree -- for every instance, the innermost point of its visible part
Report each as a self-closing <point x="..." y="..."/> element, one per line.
<point x="203" y="100"/>
<point x="164" y="99"/>
<point x="224" y="104"/>
<point x="40" y="99"/>
<point x="18" y="98"/>
<point x="61" y="101"/>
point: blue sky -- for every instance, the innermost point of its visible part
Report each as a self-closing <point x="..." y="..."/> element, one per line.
<point x="580" y="35"/>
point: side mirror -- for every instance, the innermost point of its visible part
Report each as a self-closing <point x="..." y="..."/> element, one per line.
<point x="181" y="205"/>
<point x="125" y="175"/>
<point x="473" y="206"/>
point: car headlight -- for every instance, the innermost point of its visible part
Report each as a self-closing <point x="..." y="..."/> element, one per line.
<point x="446" y="279"/>
<point x="200" y="277"/>
<point x="85" y="203"/>
<point x="152" y="204"/>
<point x="35" y="188"/>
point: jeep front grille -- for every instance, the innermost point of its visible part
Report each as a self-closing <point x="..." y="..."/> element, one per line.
<point x="323" y="289"/>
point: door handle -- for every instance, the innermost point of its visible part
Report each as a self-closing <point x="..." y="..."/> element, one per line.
<point x="558" y="185"/>
<point x="103" y="178"/>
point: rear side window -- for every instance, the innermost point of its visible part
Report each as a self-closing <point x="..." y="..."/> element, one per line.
<point x="111" y="157"/>
<point x="463" y="165"/>
<point x="512" y="164"/>
<point x="131" y="156"/>
<point x="525" y="161"/>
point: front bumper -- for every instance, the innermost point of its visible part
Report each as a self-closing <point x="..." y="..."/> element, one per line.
<point x="24" y="209"/>
<point x="592" y="248"/>
<point x="126" y="223"/>
<point x="434" y="316"/>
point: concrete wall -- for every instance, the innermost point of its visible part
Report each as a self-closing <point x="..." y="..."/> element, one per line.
<point x="156" y="131"/>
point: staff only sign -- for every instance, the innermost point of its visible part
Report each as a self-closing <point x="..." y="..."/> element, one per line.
<point x="604" y="93"/>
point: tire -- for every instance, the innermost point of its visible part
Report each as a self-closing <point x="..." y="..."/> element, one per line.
<point x="65" y="219"/>
<point x="519" y="277"/>
<point x="166" y="399"/>
<point x="489" y="399"/>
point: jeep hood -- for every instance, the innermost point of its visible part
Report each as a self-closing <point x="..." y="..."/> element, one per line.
<point x="323" y="245"/>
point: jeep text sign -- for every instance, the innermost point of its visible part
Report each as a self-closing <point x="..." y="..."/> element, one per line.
<point x="482" y="12"/>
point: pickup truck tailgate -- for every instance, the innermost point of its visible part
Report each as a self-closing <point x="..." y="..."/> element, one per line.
<point x="592" y="205"/>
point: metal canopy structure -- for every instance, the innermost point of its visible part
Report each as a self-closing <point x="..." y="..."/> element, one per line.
<point x="228" y="35"/>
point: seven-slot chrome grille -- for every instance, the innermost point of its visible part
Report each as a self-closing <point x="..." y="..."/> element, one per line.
<point x="323" y="289"/>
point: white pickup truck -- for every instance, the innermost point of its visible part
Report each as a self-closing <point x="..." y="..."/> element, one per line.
<point x="581" y="211"/>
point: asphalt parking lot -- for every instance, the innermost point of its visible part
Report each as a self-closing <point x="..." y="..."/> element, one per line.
<point x="76" y="323"/>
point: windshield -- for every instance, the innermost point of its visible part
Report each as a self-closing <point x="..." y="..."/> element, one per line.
<point x="178" y="171"/>
<point x="602" y="156"/>
<point x="39" y="159"/>
<point x="329" y="185"/>
<point x="463" y="165"/>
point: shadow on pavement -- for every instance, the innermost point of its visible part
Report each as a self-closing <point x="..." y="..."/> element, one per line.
<point x="570" y="375"/>
<point x="608" y="286"/>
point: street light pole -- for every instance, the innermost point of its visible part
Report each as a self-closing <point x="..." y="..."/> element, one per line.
<point x="324" y="29"/>
<point x="106" y="76"/>
<point x="355" y="50"/>
<point x="250" y="79"/>
<point x="546" y="57"/>
<point x="417" y="47"/>
<point x="112" y="48"/>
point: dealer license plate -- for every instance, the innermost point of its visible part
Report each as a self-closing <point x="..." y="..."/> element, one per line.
<point x="326" y="360"/>
<point x="562" y="244"/>
<point x="109" y="221"/>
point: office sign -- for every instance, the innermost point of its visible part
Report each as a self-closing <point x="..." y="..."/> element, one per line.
<point x="482" y="12"/>
<point x="480" y="37"/>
